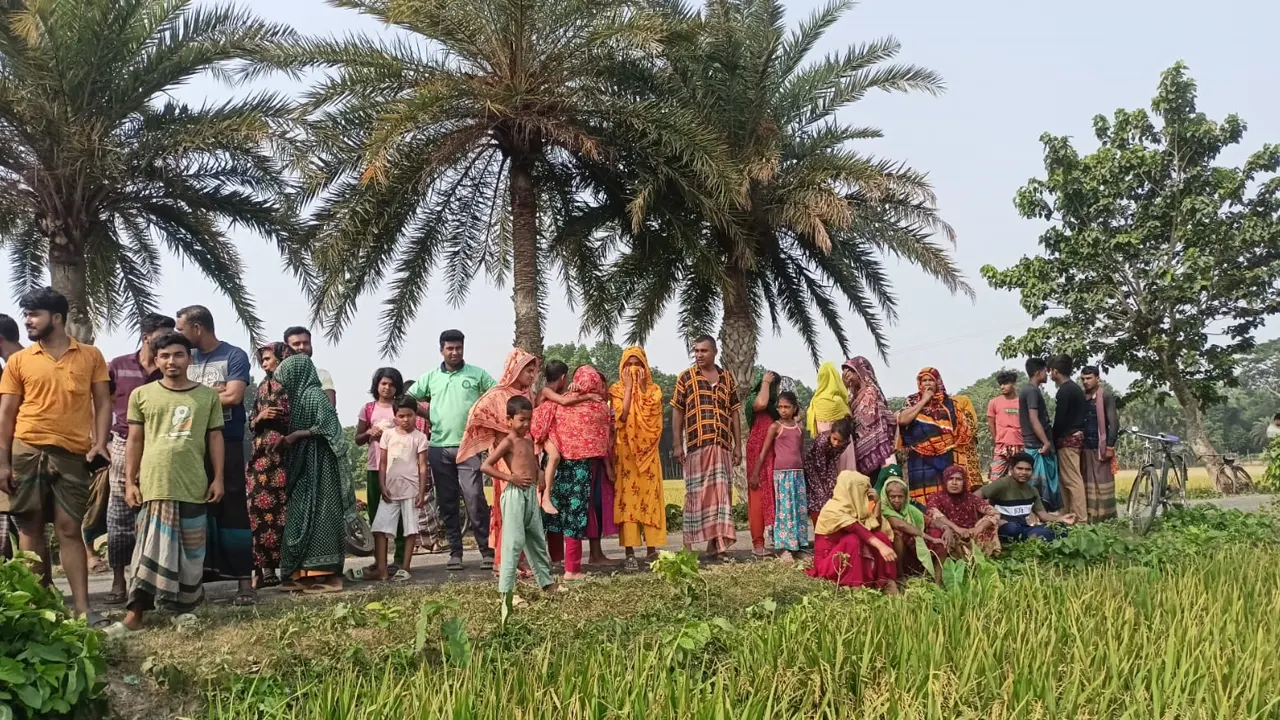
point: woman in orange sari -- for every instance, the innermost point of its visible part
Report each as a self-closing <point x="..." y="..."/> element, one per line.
<point x="639" y="506"/>
<point x="931" y="427"/>
<point x="487" y="425"/>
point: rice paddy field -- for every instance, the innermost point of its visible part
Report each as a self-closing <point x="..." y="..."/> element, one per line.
<point x="1182" y="623"/>
<point x="1198" y="485"/>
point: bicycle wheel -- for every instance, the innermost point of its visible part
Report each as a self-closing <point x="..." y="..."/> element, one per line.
<point x="1243" y="482"/>
<point x="1143" y="500"/>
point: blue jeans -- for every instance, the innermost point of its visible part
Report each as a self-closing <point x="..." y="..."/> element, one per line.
<point x="1016" y="530"/>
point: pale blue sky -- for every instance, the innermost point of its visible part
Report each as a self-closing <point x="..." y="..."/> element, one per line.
<point x="1013" y="70"/>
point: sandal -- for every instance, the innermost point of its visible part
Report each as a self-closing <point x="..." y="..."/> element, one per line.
<point x="631" y="564"/>
<point x="401" y="576"/>
<point x="115" y="597"/>
<point x="96" y="621"/>
<point x="355" y="575"/>
<point x="291" y="586"/>
<point x="486" y="563"/>
<point x="322" y="588"/>
<point x="269" y="581"/>
<point x="245" y="599"/>
<point x="455" y="564"/>
<point x="119" y="630"/>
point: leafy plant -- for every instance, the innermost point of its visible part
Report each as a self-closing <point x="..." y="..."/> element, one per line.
<point x="1271" y="476"/>
<point x="50" y="664"/>
<point x="680" y="569"/>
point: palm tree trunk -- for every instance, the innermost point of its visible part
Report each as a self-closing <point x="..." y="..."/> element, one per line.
<point x="67" y="276"/>
<point x="738" y="352"/>
<point x="524" y="258"/>
<point x="738" y="332"/>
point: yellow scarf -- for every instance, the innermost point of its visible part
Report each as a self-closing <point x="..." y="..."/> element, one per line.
<point x="831" y="399"/>
<point x="849" y="505"/>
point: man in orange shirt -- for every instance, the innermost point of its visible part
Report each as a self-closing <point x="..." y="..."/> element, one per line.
<point x="51" y="435"/>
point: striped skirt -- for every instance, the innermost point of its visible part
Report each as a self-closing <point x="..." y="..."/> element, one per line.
<point x="168" y="557"/>
<point x="708" y="510"/>
<point x="1099" y="486"/>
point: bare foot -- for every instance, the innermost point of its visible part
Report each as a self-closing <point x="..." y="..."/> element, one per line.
<point x="546" y="505"/>
<point x="603" y="561"/>
<point x="575" y="576"/>
<point x="786" y="558"/>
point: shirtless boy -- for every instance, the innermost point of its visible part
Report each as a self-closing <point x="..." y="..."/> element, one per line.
<point x="521" y="517"/>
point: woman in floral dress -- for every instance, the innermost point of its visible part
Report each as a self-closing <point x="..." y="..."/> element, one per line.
<point x="266" y="471"/>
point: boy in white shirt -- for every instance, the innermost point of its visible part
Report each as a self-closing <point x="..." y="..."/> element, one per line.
<point x="403" y="481"/>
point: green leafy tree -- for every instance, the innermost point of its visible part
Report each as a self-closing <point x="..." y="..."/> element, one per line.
<point x="816" y="219"/>
<point x="455" y="147"/>
<point x="100" y="166"/>
<point x="1157" y="258"/>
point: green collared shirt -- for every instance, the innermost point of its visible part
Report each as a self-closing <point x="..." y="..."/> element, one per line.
<point x="451" y="394"/>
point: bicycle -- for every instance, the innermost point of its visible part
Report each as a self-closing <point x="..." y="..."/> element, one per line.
<point x="1232" y="479"/>
<point x="1153" y="491"/>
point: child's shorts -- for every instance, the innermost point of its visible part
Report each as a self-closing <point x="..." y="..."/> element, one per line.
<point x="392" y="513"/>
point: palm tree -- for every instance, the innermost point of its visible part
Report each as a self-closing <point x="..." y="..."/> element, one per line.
<point x="818" y="218"/>
<point x="455" y="147"/>
<point x="100" y="167"/>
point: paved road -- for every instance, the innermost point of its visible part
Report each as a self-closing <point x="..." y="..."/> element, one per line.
<point x="429" y="569"/>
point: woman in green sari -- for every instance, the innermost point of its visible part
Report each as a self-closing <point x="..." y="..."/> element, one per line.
<point x="907" y="521"/>
<point x="321" y="507"/>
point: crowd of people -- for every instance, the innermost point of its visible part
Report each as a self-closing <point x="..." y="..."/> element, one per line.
<point x="185" y="500"/>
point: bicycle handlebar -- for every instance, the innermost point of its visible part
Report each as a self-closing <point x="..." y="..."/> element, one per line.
<point x="1162" y="437"/>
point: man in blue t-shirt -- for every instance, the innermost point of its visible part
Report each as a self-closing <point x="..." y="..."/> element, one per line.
<point x="225" y="368"/>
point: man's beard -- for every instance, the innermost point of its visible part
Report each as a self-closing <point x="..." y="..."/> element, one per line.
<point x="36" y="335"/>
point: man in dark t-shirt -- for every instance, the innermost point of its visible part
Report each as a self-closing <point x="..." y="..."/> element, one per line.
<point x="1068" y="434"/>
<point x="1033" y="414"/>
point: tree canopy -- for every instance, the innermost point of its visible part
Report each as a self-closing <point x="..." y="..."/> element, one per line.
<point x="1157" y="258"/>
<point x="101" y="167"/>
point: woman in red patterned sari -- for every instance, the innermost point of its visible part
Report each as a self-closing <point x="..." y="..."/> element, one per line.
<point x="266" y="470"/>
<point x="583" y="489"/>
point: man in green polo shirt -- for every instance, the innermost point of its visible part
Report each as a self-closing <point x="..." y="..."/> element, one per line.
<point x="448" y="393"/>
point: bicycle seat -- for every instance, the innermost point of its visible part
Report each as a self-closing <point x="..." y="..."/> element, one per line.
<point x="1229" y="459"/>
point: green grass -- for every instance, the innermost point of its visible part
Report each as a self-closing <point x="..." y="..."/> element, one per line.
<point x="1181" y="623"/>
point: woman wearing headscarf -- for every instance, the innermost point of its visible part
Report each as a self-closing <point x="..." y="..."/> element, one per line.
<point x="487" y="425"/>
<point x="761" y="413"/>
<point x="910" y="541"/>
<point x="321" y="512"/>
<point x="266" y="471"/>
<point x="853" y="545"/>
<point x="930" y="426"/>
<point x="830" y="401"/>
<point x="874" y="424"/>
<point x="639" y="504"/>
<point x="961" y="519"/>
<point x="583" y="436"/>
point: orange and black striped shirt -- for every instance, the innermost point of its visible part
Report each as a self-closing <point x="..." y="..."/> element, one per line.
<point x="707" y="408"/>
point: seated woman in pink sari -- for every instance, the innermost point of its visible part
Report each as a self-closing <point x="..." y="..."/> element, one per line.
<point x="853" y="545"/>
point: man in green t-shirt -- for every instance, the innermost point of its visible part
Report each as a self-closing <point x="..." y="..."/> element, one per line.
<point x="1019" y="505"/>
<point x="173" y="423"/>
<point x="446" y="395"/>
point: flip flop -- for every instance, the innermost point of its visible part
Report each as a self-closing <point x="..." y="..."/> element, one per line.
<point x="115" y="597"/>
<point x="321" y="588"/>
<point x="486" y="563"/>
<point x="119" y="630"/>
<point x="96" y="621"/>
<point x="269" y="581"/>
<point x="355" y="575"/>
<point x="631" y="564"/>
<point x="245" y="599"/>
<point x="401" y="576"/>
<point x="290" y="586"/>
<point x="455" y="564"/>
